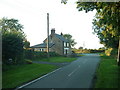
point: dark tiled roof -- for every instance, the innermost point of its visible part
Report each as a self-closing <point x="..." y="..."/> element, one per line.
<point x="42" y="45"/>
<point x="61" y="38"/>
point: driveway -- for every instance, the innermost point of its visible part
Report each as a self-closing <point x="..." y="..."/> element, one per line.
<point x="78" y="74"/>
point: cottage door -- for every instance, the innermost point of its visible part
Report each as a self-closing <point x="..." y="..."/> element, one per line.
<point x="66" y="51"/>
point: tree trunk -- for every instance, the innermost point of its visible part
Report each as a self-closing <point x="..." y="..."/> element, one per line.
<point x="118" y="59"/>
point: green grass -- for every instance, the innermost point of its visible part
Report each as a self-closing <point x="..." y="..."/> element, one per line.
<point x="24" y="73"/>
<point x="58" y="59"/>
<point x="80" y="55"/>
<point x="107" y="73"/>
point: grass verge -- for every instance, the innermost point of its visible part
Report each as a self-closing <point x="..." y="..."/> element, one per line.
<point x="24" y="73"/>
<point x="107" y="73"/>
<point x="58" y="59"/>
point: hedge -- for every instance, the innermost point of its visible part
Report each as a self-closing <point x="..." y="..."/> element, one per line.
<point x="30" y="54"/>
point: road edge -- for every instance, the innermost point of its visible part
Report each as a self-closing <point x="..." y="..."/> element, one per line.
<point x="94" y="79"/>
<point x="36" y="79"/>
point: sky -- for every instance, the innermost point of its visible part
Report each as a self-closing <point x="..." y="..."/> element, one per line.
<point x="65" y="18"/>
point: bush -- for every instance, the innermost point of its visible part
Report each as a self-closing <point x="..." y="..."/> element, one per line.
<point x="12" y="41"/>
<point x="53" y="54"/>
<point x="111" y="52"/>
<point x="108" y="51"/>
<point x="30" y="54"/>
<point x="73" y="54"/>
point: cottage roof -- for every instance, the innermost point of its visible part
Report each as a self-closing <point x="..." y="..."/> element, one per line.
<point x="42" y="45"/>
<point x="61" y="38"/>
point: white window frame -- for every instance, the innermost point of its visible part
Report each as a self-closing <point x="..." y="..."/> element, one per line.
<point x="64" y="44"/>
<point x="67" y="44"/>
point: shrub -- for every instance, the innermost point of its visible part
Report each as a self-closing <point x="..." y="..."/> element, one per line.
<point x="53" y="54"/>
<point x="73" y="54"/>
<point x="30" y="54"/>
<point x="111" y="52"/>
<point x="108" y="51"/>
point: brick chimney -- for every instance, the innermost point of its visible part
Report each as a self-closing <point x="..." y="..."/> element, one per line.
<point x="61" y="34"/>
<point x="53" y="31"/>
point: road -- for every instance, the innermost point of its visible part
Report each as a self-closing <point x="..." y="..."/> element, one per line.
<point x="78" y="74"/>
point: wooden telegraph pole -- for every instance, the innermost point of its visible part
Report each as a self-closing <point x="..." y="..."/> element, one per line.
<point x="48" y="35"/>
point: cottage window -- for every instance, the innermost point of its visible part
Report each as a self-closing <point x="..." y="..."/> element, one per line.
<point x="67" y="44"/>
<point x="41" y="49"/>
<point x="64" y="44"/>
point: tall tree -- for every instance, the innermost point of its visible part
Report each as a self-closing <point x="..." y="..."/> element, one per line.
<point x="69" y="38"/>
<point x="12" y="40"/>
<point x="106" y="21"/>
<point x="26" y="44"/>
<point x="10" y="25"/>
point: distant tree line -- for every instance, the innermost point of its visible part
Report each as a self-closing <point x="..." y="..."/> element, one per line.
<point x="81" y="50"/>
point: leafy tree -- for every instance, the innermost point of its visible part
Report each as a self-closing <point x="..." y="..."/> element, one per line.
<point x="106" y="21"/>
<point x="12" y="40"/>
<point x="69" y="38"/>
<point x="12" y="47"/>
<point x="26" y="44"/>
<point x="80" y="48"/>
<point x="10" y="25"/>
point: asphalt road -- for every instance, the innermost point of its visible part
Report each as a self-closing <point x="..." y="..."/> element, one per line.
<point x="78" y="74"/>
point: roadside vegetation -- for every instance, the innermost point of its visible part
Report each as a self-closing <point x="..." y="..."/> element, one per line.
<point x="81" y="50"/>
<point x="107" y="73"/>
<point x="58" y="59"/>
<point x="20" y="74"/>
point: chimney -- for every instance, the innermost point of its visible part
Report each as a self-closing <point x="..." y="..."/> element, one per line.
<point x="53" y="31"/>
<point x="61" y="34"/>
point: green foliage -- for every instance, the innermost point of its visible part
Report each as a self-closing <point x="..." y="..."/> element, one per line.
<point x="81" y="50"/>
<point x="73" y="54"/>
<point x="59" y="59"/>
<point x="30" y="54"/>
<point x="69" y="38"/>
<point x="107" y="73"/>
<point x="26" y="44"/>
<point x="12" y="47"/>
<point x="10" y="25"/>
<point x="96" y="51"/>
<point x="106" y="21"/>
<point x="53" y="54"/>
<point x="12" y="41"/>
<point x="111" y="52"/>
<point x="108" y="51"/>
<point x="88" y="50"/>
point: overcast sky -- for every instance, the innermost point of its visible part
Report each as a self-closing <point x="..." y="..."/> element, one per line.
<point x="64" y="18"/>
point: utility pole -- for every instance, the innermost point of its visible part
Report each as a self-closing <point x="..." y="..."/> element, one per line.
<point x="48" y="35"/>
<point x="83" y="44"/>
